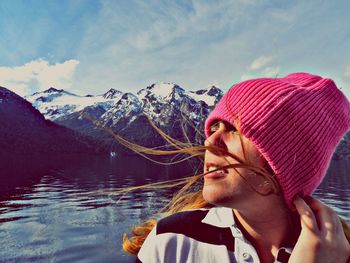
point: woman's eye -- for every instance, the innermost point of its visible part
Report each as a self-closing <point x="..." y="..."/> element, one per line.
<point x="214" y="127"/>
<point x="231" y="128"/>
<point x="227" y="126"/>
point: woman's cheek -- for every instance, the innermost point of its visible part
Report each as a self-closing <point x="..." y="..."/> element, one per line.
<point x="220" y="193"/>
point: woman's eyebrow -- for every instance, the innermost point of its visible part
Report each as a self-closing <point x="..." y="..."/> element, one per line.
<point x="215" y="124"/>
<point x="229" y="126"/>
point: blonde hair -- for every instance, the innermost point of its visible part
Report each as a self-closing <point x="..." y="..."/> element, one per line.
<point x="190" y="195"/>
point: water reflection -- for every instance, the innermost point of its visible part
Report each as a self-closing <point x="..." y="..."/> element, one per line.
<point x="54" y="211"/>
<point x="335" y="189"/>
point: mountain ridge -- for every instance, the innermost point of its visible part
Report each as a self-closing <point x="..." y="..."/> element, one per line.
<point x="175" y="111"/>
<point x="170" y="107"/>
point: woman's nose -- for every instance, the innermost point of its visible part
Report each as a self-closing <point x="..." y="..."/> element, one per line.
<point x="216" y="139"/>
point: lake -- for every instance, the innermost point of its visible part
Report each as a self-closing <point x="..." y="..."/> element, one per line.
<point x="46" y="215"/>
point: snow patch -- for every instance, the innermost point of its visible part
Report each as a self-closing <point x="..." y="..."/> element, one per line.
<point x="162" y="89"/>
<point x="209" y="100"/>
<point x="209" y="95"/>
<point x="57" y="103"/>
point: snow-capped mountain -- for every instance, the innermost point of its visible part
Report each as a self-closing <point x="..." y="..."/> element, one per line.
<point x="169" y="106"/>
<point x="164" y="101"/>
<point x="127" y="107"/>
<point x="55" y="103"/>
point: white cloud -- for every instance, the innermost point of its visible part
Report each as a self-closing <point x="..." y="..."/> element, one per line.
<point x="246" y="77"/>
<point x="38" y="75"/>
<point x="260" y="62"/>
<point x="347" y="72"/>
<point x="271" y="72"/>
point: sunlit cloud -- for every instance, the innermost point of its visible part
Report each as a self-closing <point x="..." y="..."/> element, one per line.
<point x="247" y="76"/>
<point x="260" y="62"/>
<point x="258" y="69"/>
<point x="271" y="72"/>
<point x="38" y="75"/>
<point x="347" y="72"/>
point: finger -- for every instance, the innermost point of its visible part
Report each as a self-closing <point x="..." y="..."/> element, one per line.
<point x="315" y="204"/>
<point x="326" y="218"/>
<point x="307" y="217"/>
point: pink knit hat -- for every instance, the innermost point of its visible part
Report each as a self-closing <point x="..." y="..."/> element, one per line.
<point x="296" y="123"/>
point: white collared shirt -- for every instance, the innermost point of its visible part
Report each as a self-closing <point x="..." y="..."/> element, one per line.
<point x="199" y="236"/>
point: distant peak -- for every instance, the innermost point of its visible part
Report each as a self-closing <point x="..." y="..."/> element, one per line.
<point x="111" y="90"/>
<point x="128" y="95"/>
<point x="112" y="93"/>
<point x="211" y="91"/>
<point x="53" y="92"/>
<point x="163" y="84"/>
<point x="165" y="88"/>
<point x="212" y="87"/>
<point x="51" y="89"/>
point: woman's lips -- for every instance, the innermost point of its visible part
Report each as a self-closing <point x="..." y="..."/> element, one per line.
<point x="215" y="170"/>
<point x="215" y="175"/>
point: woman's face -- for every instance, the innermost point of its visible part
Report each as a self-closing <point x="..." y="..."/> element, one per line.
<point x="231" y="188"/>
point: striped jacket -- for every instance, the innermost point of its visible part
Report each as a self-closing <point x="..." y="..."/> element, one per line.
<point x="200" y="236"/>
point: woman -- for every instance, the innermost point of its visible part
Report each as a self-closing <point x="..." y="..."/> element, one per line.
<point x="269" y="143"/>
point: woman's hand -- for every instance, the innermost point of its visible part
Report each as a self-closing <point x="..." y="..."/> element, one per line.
<point x="322" y="238"/>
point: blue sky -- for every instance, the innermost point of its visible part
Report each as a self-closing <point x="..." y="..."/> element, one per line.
<point x="88" y="46"/>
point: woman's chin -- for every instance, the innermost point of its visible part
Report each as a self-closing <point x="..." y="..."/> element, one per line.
<point x="216" y="196"/>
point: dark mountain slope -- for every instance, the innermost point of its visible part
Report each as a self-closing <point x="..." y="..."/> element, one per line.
<point x="23" y="129"/>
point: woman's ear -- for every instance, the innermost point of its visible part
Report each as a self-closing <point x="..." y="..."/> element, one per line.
<point x="265" y="187"/>
<point x="260" y="183"/>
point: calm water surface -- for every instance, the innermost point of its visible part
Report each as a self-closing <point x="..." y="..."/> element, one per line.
<point x="46" y="215"/>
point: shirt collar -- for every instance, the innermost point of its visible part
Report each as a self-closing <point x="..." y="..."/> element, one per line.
<point x="219" y="217"/>
<point x="223" y="217"/>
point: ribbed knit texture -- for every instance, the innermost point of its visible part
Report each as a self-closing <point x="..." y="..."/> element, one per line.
<point x="296" y="123"/>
